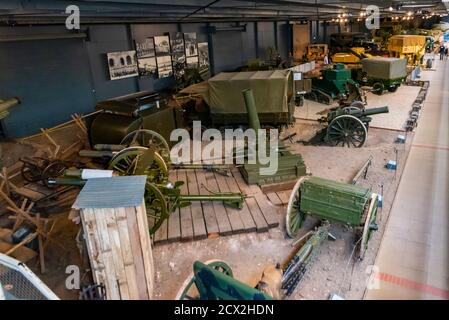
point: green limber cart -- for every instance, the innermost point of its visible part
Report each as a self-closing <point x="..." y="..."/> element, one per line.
<point x="336" y="202"/>
<point x="382" y="73"/>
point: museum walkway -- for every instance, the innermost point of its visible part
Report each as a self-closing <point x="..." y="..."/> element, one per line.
<point x="413" y="259"/>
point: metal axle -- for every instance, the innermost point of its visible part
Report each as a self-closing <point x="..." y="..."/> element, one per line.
<point x="234" y="200"/>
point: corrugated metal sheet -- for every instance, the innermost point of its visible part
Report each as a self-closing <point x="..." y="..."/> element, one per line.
<point x="115" y="192"/>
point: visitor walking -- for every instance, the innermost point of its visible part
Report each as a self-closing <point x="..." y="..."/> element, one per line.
<point x="442" y="51"/>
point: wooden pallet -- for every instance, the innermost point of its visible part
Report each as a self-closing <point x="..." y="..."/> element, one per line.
<point x="34" y="191"/>
<point x="208" y="219"/>
<point x="279" y="198"/>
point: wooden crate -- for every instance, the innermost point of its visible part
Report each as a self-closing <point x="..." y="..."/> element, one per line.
<point x="115" y="225"/>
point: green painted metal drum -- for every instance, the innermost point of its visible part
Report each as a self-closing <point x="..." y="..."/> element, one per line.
<point x="109" y="128"/>
<point x="124" y="115"/>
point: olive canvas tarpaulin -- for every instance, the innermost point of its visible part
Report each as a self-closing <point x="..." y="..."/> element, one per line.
<point x="385" y="68"/>
<point x="273" y="93"/>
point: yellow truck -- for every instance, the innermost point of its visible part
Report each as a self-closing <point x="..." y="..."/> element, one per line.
<point x="351" y="55"/>
<point x="411" y="47"/>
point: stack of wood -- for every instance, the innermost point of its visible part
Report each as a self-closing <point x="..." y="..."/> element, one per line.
<point x="23" y="203"/>
<point x="46" y="146"/>
<point x="19" y="252"/>
<point x="41" y="230"/>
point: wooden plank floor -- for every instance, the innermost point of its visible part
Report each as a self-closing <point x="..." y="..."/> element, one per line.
<point x="207" y="219"/>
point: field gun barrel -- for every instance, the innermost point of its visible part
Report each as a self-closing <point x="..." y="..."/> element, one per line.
<point x="369" y="112"/>
<point x="250" y="103"/>
<point x="8" y="103"/>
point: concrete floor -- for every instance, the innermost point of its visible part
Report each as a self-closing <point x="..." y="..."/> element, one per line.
<point x="413" y="259"/>
<point x="334" y="271"/>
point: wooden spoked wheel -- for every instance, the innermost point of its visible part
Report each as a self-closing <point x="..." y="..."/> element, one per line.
<point x="189" y="292"/>
<point x="126" y="163"/>
<point x="53" y="170"/>
<point x="156" y="206"/>
<point x="378" y="88"/>
<point x="294" y="218"/>
<point x="30" y="172"/>
<point x="148" y="138"/>
<point x="369" y="225"/>
<point x="346" y="130"/>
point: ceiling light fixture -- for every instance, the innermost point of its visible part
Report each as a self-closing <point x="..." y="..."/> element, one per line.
<point x="417" y="5"/>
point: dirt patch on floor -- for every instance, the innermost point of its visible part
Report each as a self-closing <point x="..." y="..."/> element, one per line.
<point x="334" y="270"/>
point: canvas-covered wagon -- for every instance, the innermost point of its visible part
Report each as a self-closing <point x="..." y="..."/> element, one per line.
<point x="273" y="90"/>
<point x="384" y="73"/>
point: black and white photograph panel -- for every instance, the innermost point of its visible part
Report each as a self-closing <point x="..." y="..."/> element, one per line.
<point x="192" y="62"/>
<point x="179" y="58"/>
<point x="177" y="42"/>
<point x="122" y="64"/>
<point x="145" y="53"/>
<point x="145" y="48"/>
<point x="190" y="44"/>
<point x="162" y="45"/>
<point x="147" y="66"/>
<point x="179" y="63"/>
<point x="203" y="54"/>
<point x="164" y="66"/>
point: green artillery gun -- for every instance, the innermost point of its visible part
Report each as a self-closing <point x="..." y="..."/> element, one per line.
<point x="162" y="197"/>
<point x="336" y="202"/>
<point x="148" y="139"/>
<point x="214" y="280"/>
<point x="162" y="200"/>
<point x="348" y="126"/>
<point x="290" y="165"/>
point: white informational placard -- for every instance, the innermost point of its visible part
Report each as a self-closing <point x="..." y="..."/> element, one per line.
<point x="95" y="173"/>
<point x="297" y="76"/>
<point x="305" y="67"/>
